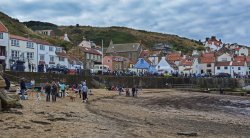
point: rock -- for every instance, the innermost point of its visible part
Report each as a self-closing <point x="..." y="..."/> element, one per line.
<point x="27" y="127"/>
<point x="187" y="133"/>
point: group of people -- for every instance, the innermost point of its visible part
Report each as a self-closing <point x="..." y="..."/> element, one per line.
<point x="82" y="90"/>
<point x="120" y="89"/>
<point x="54" y="89"/>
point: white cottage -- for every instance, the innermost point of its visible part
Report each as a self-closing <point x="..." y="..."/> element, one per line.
<point x="238" y="68"/>
<point x="164" y="66"/>
<point x="4" y="41"/>
<point x="224" y="57"/>
<point x="22" y="51"/>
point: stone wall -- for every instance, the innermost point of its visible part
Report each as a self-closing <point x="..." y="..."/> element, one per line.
<point x="144" y="82"/>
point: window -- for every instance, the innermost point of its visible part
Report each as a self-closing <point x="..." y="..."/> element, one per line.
<point x="58" y="49"/>
<point x="42" y="57"/>
<point x="14" y="53"/>
<point x="51" y="48"/>
<point x="87" y="55"/>
<point x="208" y="65"/>
<point x="30" y="45"/>
<point x="30" y="55"/>
<point x="108" y="60"/>
<point x="51" y="58"/>
<point x="218" y="68"/>
<point x="1" y="35"/>
<point x="238" y="68"/>
<point x="42" y="47"/>
<point x="223" y="59"/>
<point x="225" y="68"/>
<point x="14" y="42"/>
<point x="61" y="58"/>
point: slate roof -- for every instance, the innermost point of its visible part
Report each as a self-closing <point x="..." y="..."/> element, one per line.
<point x="127" y="47"/>
<point x="89" y="50"/>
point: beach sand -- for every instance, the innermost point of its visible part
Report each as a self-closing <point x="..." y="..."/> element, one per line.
<point x="154" y="113"/>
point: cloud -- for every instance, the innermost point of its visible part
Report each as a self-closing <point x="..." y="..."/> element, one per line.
<point x="194" y="19"/>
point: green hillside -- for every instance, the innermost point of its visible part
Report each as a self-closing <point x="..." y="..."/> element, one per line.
<point x="17" y="28"/>
<point x="97" y="34"/>
<point x="128" y="35"/>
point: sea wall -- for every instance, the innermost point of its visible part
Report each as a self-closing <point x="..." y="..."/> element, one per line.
<point x="129" y="81"/>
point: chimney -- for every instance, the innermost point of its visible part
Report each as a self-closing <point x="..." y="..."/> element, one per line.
<point x="213" y="37"/>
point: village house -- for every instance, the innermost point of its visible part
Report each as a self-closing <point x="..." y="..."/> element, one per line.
<point x="4" y="41"/>
<point x="207" y="63"/>
<point x="142" y="66"/>
<point x="224" y="57"/>
<point x="116" y="63"/>
<point x="61" y="57"/>
<point x="131" y="51"/>
<point x="91" y="57"/>
<point x="213" y="44"/>
<point x="174" y="57"/>
<point x="238" y="68"/>
<point x="46" y="32"/>
<point x="248" y="65"/>
<point x="241" y="51"/>
<point x="46" y="54"/>
<point x="164" y="66"/>
<point x="223" y="67"/>
<point x="22" y="52"/>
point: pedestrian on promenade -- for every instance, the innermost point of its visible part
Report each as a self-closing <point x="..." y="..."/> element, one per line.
<point x="47" y="91"/>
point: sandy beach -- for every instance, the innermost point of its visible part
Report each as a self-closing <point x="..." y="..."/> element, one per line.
<point x="154" y="113"/>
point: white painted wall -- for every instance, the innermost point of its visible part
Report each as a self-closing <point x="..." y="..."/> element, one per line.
<point x="224" y="57"/>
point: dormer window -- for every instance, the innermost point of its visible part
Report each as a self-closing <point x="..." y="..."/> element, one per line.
<point x="1" y="35"/>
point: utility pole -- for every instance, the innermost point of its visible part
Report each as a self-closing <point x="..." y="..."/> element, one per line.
<point x="102" y="57"/>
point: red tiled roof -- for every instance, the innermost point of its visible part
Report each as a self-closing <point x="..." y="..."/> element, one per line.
<point x="174" y="57"/>
<point x="238" y="63"/>
<point x="237" y="49"/>
<point x="186" y="63"/>
<point x="240" y="58"/>
<point x="208" y="55"/>
<point x="19" y="38"/>
<point x="207" y="59"/>
<point x="3" y="28"/>
<point x="224" y="63"/>
<point x="248" y="59"/>
<point x="90" y="50"/>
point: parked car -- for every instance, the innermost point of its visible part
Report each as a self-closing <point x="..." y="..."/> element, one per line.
<point x="223" y="75"/>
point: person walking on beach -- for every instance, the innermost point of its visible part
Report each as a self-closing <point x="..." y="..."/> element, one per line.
<point x="79" y="90"/>
<point x="62" y="87"/>
<point x="22" y="88"/>
<point x="133" y="91"/>
<point x="47" y="91"/>
<point x="54" y="91"/>
<point x="84" y="92"/>
<point x="136" y="91"/>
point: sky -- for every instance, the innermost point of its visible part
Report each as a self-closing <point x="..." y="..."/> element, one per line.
<point x="228" y="20"/>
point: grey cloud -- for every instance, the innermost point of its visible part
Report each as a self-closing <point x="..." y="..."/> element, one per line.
<point x="195" y="19"/>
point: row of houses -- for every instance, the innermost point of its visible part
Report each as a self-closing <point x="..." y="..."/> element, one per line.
<point x="17" y="52"/>
<point x="216" y="58"/>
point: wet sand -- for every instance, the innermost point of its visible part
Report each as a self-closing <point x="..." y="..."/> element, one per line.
<point x="154" y="113"/>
